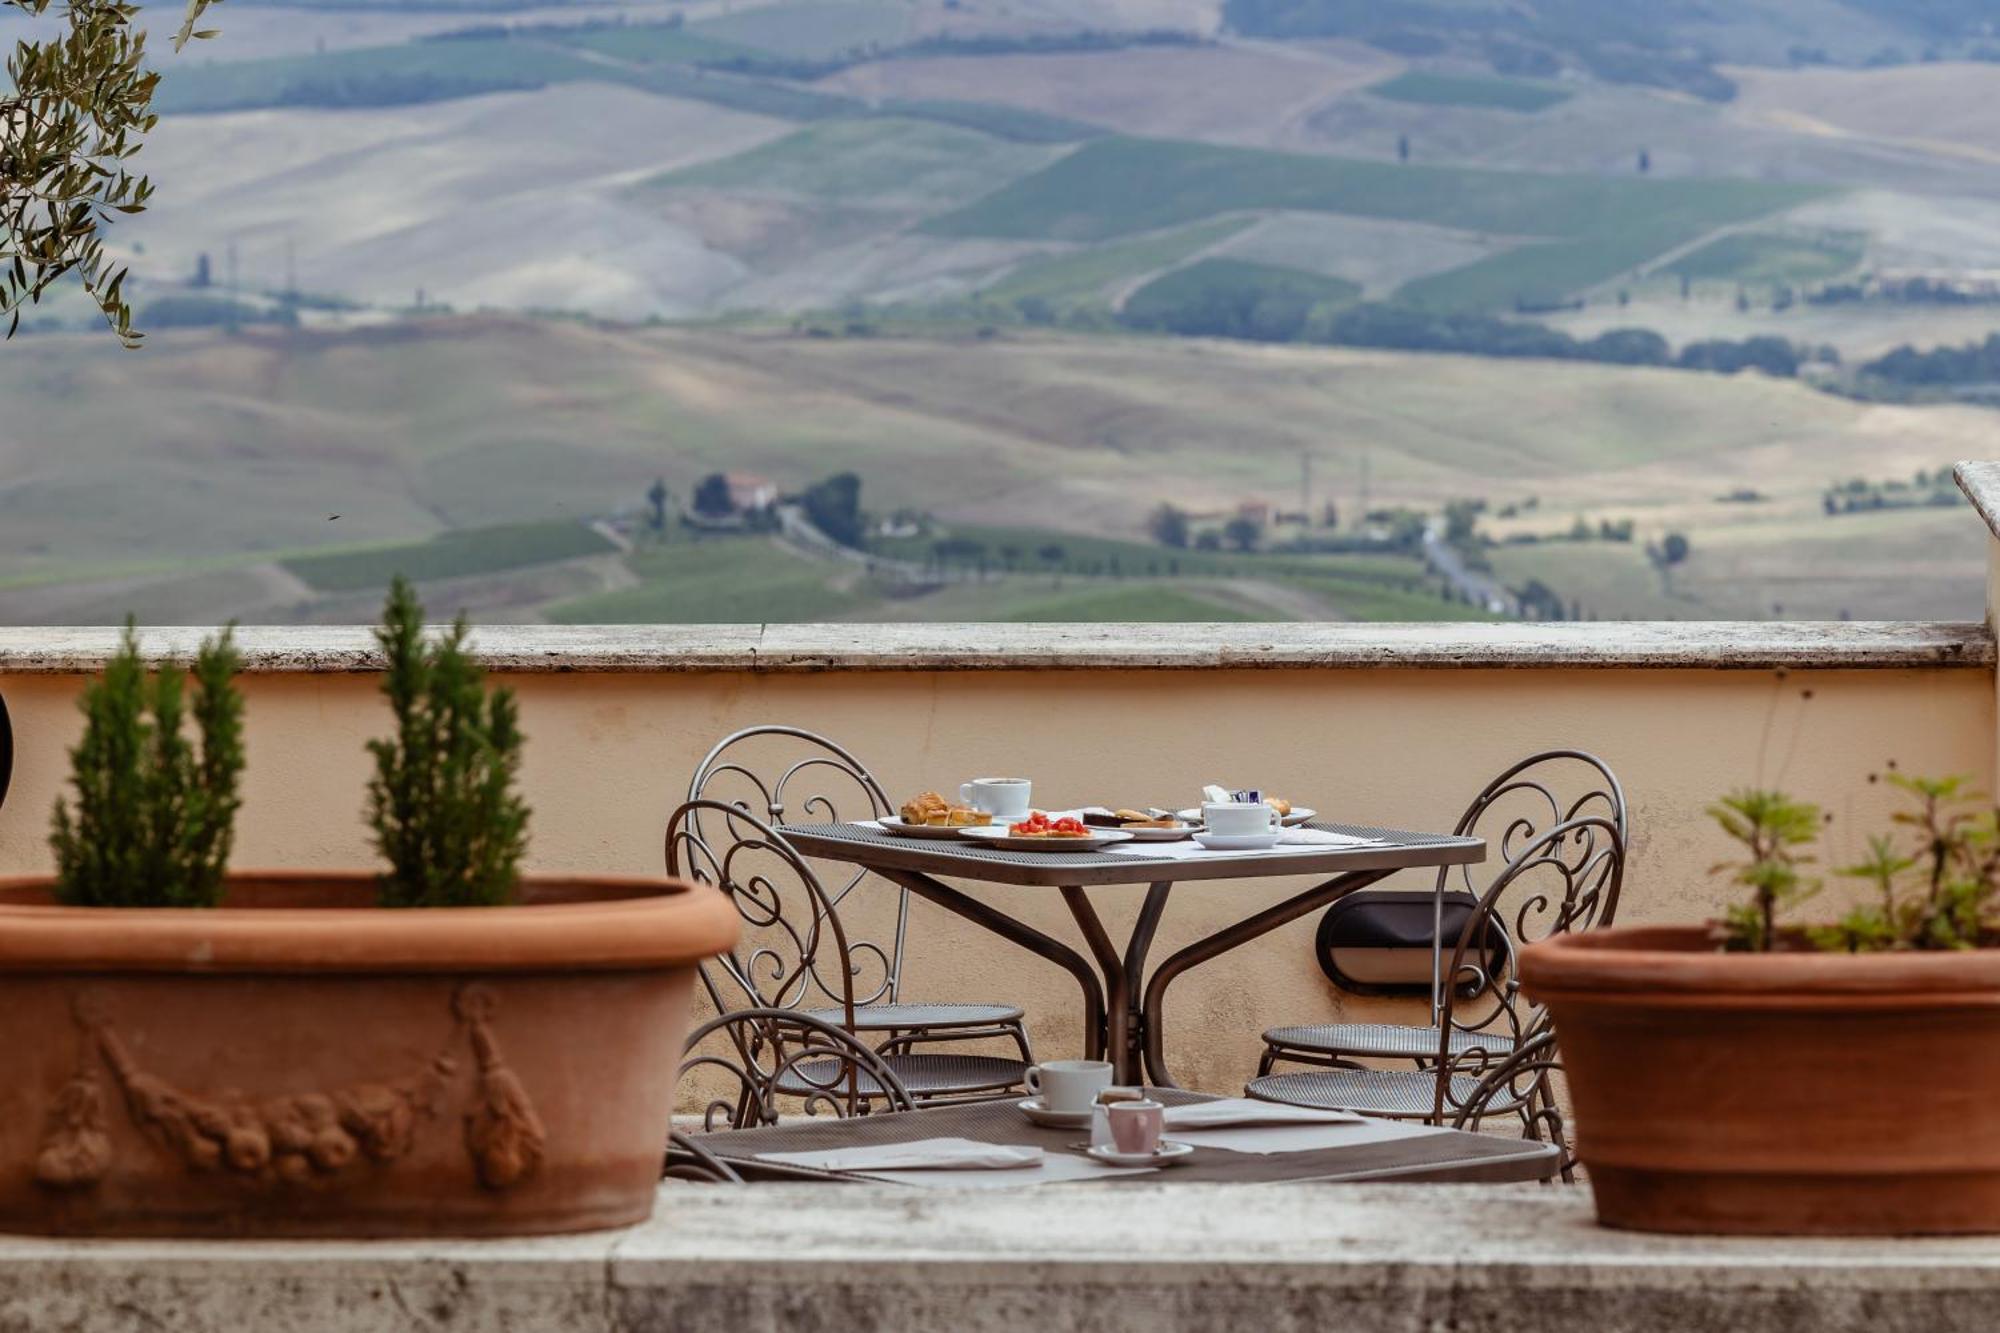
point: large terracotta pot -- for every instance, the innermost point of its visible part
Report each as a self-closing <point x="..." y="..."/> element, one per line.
<point x="298" y="1062"/>
<point x="1778" y="1094"/>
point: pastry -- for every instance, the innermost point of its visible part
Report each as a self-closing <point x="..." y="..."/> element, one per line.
<point x="934" y="811"/>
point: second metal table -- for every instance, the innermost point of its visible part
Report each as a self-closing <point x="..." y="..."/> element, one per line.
<point x="1123" y="1006"/>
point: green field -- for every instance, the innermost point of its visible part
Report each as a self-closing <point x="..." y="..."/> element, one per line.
<point x="867" y="162"/>
<point x="1207" y="291"/>
<point x="443" y="70"/>
<point x="1472" y="90"/>
<point x="1767" y="257"/>
<point x="1083" y="276"/>
<point x="451" y="555"/>
<point x="1145" y="602"/>
<point x="1004" y="122"/>
<point x="648" y="43"/>
<point x="371" y="76"/>
<point x="813" y="31"/>
<point x="720" y="581"/>
<point x="1114" y="187"/>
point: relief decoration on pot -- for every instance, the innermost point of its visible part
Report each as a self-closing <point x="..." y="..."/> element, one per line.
<point x="293" y="1138"/>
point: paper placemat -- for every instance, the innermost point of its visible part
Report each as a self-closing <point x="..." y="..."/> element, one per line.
<point x="1249" y="1112"/>
<point x="1303" y="840"/>
<point x="1266" y="1139"/>
<point x="940" y="1154"/>
<point x="1056" y="1168"/>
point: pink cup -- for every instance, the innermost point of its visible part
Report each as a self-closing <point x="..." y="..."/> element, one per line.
<point x="1136" y="1126"/>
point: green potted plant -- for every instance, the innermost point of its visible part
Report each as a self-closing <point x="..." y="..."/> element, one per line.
<point x="446" y="1048"/>
<point x="1756" y="1076"/>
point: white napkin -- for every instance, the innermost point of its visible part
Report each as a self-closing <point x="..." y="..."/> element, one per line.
<point x="1290" y="842"/>
<point x="1312" y="837"/>
<point x="924" y="1154"/>
<point x="1250" y="1111"/>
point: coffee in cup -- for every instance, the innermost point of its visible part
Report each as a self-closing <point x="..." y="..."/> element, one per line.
<point x="1068" y="1087"/>
<point x="1003" y="798"/>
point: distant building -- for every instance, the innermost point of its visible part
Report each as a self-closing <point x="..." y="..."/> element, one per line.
<point x="750" y="495"/>
<point x="1257" y="511"/>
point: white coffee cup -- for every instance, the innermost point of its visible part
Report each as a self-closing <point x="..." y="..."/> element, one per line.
<point x="1069" y="1087"/>
<point x="1236" y="819"/>
<point x="1004" y="798"/>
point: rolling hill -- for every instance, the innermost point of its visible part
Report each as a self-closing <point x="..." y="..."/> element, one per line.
<point x="268" y="446"/>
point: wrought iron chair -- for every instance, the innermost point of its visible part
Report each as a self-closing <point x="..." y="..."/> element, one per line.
<point x="794" y="953"/>
<point x="745" y="1061"/>
<point x="1525" y="1085"/>
<point x="1539" y="791"/>
<point x="779" y="771"/>
<point x="1494" y="1051"/>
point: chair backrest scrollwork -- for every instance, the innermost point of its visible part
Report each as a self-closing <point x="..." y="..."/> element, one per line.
<point x="1564" y="878"/>
<point x="781" y="774"/>
<point x="746" y="1060"/>
<point x="1531" y="796"/>
<point x="793" y="951"/>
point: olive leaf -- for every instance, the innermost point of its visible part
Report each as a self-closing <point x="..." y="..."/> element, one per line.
<point x="74" y="110"/>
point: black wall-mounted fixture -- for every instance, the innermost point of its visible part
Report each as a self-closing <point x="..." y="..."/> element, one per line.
<point x="6" y="750"/>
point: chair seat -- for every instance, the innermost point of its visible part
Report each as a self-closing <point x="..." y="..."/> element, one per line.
<point x="925" y="1075"/>
<point x="1384" y="1040"/>
<point x="912" y="1017"/>
<point x="1401" y="1094"/>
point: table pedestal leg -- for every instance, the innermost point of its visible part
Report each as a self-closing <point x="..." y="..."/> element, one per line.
<point x="1025" y="935"/>
<point x="1221" y="942"/>
<point x="1124" y="1040"/>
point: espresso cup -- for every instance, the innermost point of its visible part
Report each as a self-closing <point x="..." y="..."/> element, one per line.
<point x="1240" y="819"/>
<point x="1136" y="1126"/>
<point x="1003" y="798"/>
<point x="1069" y="1087"/>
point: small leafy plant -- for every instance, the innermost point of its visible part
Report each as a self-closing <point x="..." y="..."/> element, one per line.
<point x="154" y="817"/>
<point x="442" y="801"/>
<point x="1935" y="885"/>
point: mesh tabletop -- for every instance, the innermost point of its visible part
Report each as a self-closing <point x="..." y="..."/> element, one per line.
<point x="867" y="845"/>
<point x="1433" y="1155"/>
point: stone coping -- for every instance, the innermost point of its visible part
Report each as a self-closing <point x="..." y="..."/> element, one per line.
<point x="1156" y="1257"/>
<point x="1981" y="484"/>
<point x="1709" y="645"/>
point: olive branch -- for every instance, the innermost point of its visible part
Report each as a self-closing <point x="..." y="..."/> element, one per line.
<point x="74" y="111"/>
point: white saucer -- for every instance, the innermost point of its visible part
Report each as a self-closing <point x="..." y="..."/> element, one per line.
<point x="1042" y="1115"/>
<point x="1237" y="842"/>
<point x="1300" y="815"/>
<point x="1169" y="1153"/>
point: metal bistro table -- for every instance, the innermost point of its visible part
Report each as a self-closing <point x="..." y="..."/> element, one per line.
<point x="1380" y="1150"/>
<point x="1123" y="1009"/>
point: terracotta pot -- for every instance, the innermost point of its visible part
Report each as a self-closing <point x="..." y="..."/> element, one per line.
<point x="1778" y="1094"/>
<point x="298" y="1062"/>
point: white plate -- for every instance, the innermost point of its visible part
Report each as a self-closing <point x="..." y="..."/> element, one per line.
<point x="1170" y="1152"/>
<point x="996" y="835"/>
<point x="1300" y="815"/>
<point x="1042" y="1115"/>
<point x="1237" y="842"/>
<point x="1181" y="834"/>
<point x="894" y="824"/>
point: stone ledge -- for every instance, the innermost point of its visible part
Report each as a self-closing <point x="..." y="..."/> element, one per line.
<point x="1704" y="645"/>
<point x="1981" y="484"/>
<point x="1160" y="1258"/>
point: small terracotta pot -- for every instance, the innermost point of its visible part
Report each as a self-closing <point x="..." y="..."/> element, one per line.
<point x="298" y="1062"/>
<point x="1778" y="1094"/>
